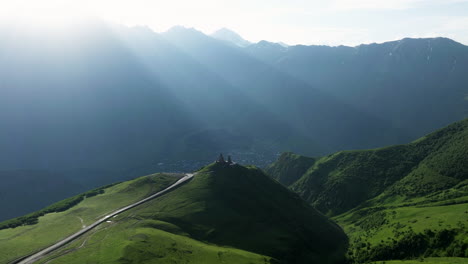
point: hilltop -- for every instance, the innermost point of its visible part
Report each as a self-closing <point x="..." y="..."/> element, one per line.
<point x="241" y="207"/>
<point x="228" y="213"/>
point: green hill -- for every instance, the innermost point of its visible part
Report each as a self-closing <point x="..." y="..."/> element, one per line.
<point x="339" y="182"/>
<point x="403" y="201"/>
<point x="241" y="207"/>
<point x="226" y="214"/>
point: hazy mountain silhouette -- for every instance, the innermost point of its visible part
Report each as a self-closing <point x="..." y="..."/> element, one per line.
<point x="418" y="85"/>
<point x="97" y="97"/>
<point x="231" y="37"/>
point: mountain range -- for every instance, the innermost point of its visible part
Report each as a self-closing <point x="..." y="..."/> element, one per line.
<point x="106" y="103"/>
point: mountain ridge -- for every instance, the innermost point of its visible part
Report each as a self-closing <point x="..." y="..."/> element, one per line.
<point x="385" y="166"/>
<point x="398" y="202"/>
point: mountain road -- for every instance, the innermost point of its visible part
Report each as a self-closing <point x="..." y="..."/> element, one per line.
<point x="40" y="254"/>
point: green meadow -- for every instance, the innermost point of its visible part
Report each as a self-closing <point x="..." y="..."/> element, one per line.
<point x="52" y="227"/>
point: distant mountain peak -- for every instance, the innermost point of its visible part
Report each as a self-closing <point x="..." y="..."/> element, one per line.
<point x="182" y="29"/>
<point x="230" y="36"/>
<point x="283" y="44"/>
<point x="263" y="44"/>
<point x="181" y="34"/>
<point x="268" y="43"/>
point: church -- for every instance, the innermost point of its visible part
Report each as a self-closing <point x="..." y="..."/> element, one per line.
<point x="223" y="161"/>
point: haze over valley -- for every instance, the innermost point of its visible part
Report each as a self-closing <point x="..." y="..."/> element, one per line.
<point x="339" y="154"/>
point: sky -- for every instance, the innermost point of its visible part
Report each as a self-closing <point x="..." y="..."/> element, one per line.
<point x="309" y="22"/>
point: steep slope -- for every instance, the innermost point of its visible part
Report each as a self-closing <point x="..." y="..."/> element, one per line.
<point x="342" y="181"/>
<point x="242" y="207"/>
<point x="289" y="168"/>
<point x="243" y="215"/>
<point x="406" y="201"/>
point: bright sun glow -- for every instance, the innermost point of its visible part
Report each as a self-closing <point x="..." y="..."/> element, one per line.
<point x="42" y="12"/>
<point x="329" y="22"/>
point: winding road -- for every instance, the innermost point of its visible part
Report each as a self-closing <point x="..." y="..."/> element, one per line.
<point x="36" y="256"/>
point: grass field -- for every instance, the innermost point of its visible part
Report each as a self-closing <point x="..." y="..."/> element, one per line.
<point x="382" y="225"/>
<point x="414" y="231"/>
<point x="130" y="240"/>
<point x="23" y="240"/>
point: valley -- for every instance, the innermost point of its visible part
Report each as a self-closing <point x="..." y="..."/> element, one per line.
<point x="335" y="154"/>
<point x="119" y="102"/>
<point x="410" y="202"/>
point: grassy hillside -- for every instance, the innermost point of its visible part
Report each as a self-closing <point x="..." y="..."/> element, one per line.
<point x="226" y="214"/>
<point x="405" y="201"/>
<point x="341" y="181"/>
<point x="289" y="167"/>
<point x="406" y="232"/>
<point x="50" y="226"/>
<point x="132" y="240"/>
